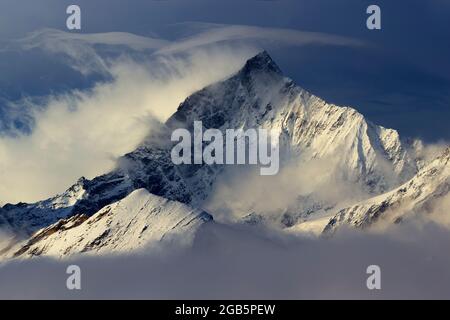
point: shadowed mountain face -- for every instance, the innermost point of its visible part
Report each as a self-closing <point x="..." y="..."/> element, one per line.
<point x="258" y="96"/>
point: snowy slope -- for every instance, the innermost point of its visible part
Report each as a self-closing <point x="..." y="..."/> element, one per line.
<point x="260" y="96"/>
<point x="139" y="220"/>
<point x="418" y="196"/>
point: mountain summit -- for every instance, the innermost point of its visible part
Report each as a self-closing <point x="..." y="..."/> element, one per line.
<point x="262" y="62"/>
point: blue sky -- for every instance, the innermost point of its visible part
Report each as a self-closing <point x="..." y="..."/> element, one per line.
<point x="399" y="78"/>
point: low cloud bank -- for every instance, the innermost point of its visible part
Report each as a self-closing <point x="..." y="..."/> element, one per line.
<point x="241" y="263"/>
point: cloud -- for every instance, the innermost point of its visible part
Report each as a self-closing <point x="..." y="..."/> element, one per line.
<point x="213" y="34"/>
<point x="81" y="133"/>
<point x="51" y="39"/>
<point x="301" y="184"/>
<point x="242" y="263"/>
<point x="440" y="213"/>
<point x="86" y="52"/>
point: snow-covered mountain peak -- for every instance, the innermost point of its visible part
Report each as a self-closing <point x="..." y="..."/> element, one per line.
<point x="260" y="96"/>
<point x="345" y="145"/>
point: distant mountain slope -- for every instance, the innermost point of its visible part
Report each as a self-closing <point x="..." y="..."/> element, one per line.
<point x="420" y="195"/>
<point x="138" y="220"/>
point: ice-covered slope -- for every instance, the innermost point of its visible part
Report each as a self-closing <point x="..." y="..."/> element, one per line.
<point x="372" y="157"/>
<point x="133" y="223"/>
<point x="419" y="196"/>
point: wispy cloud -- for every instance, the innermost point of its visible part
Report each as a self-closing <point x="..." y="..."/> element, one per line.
<point x="83" y="132"/>
<point x="213" y="34"/>
<point x="84" y="50"/>
<point x="51" y="38"/>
